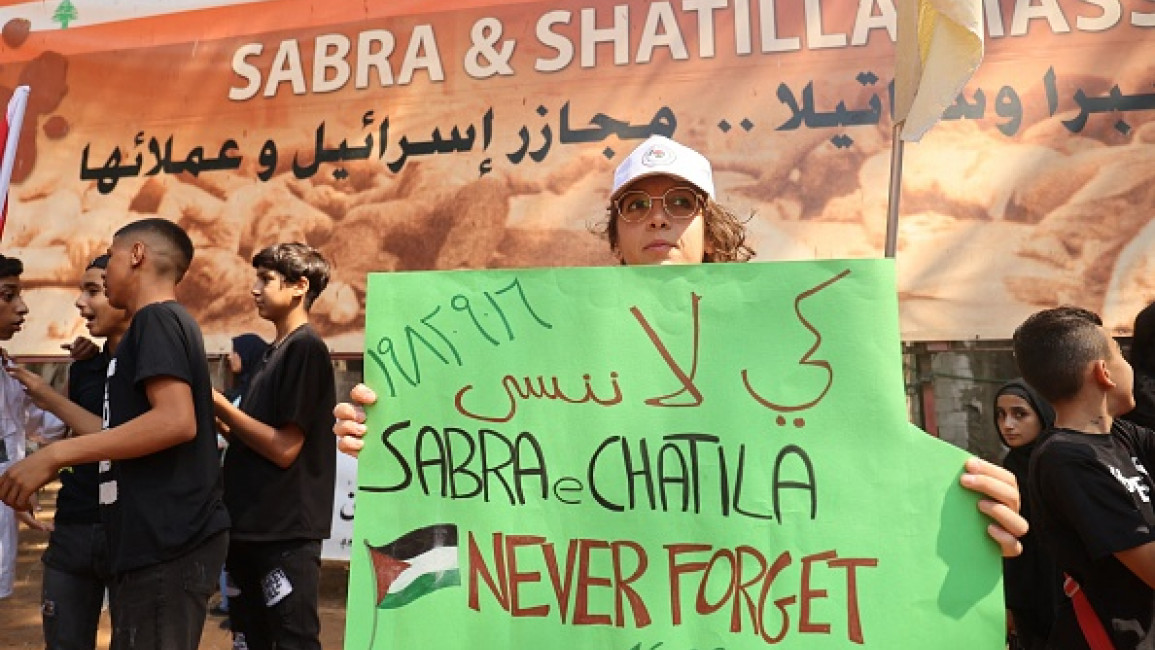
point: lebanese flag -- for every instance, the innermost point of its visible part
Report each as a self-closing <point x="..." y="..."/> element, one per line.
<point x="12" y="123"/>
<point x="415" y="564"/>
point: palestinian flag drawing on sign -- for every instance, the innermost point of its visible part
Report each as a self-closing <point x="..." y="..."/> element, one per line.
<point x="415" y="565"/>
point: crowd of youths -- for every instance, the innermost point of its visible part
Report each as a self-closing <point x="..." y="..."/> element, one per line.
<point x="144" y="515"/>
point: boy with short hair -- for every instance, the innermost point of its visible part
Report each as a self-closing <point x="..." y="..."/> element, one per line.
<point x="77" y="566"/>
<point x="280" y="466"/>
<point x="21" y="418"/>
<point x="1089" y="484"/>
<point x="160" y="494"/>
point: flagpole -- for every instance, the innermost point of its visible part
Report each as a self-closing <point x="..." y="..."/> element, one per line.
<point x="895" y="190"/>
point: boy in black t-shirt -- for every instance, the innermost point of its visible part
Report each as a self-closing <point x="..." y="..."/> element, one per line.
<point x="281" y="461"/>
<point x="77" y="566"/>
<point x="160" y="492"/>
<point x="1089" y="485"/>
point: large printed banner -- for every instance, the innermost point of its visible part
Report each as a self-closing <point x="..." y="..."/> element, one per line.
<point x="708" y="456"/>
<point x="483" y="134"/>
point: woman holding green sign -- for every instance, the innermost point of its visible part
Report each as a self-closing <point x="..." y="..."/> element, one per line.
<point x="663" y="211"/>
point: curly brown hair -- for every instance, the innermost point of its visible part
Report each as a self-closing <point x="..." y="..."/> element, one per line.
<point x="725" y="232"/>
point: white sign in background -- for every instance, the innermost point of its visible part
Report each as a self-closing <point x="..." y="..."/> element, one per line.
<point x="344" y="488"/>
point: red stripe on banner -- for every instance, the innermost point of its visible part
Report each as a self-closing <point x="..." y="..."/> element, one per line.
<point x="3" y="147"/>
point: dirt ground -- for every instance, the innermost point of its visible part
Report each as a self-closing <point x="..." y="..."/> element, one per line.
<point x="20" y="614"/>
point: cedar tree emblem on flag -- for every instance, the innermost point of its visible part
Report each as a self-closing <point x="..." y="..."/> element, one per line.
<point x="415" y="564"/>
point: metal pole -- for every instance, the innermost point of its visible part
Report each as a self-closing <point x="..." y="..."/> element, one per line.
<point x="895" y="191"/>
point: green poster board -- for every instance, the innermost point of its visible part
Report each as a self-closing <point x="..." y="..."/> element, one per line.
<point x="679" y="457"/>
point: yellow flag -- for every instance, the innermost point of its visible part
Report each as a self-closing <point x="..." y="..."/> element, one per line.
<point x="940" y="45"/>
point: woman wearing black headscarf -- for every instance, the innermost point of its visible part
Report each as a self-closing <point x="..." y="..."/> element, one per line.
<point x="246" y="356"/>
<point x="1032" y="582"/>
<point x="248" y="349"/>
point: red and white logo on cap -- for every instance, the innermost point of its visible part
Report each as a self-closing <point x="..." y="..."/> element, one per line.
<point x="659" y="156"/>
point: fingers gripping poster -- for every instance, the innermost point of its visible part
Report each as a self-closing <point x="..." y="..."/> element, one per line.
<point x="684" y="458"/>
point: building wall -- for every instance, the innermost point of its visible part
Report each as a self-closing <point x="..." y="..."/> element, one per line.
<point x="964" y="380"/>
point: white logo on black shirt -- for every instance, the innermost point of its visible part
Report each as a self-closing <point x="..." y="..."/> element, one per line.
<point x="1139" y="466"/>
<point x="105" y="416"/>
<point x="1134" y="484"/>
<point x="107" y="491"/>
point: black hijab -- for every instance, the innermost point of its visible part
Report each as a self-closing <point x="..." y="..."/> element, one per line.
<point x="1017" y="458"/>
<point x="1032" y="582"/>
<point x="250" y="348"/>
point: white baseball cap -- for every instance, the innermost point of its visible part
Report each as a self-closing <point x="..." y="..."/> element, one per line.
<point x="661" y="155"/>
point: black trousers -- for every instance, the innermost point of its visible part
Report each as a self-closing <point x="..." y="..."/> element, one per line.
<point x="163" y="606"/>
<point x="277" y="604"/>
<point x="77" y="572"/>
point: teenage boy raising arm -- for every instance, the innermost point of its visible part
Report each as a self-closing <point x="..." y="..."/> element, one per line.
<point x="281" y="462"/>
